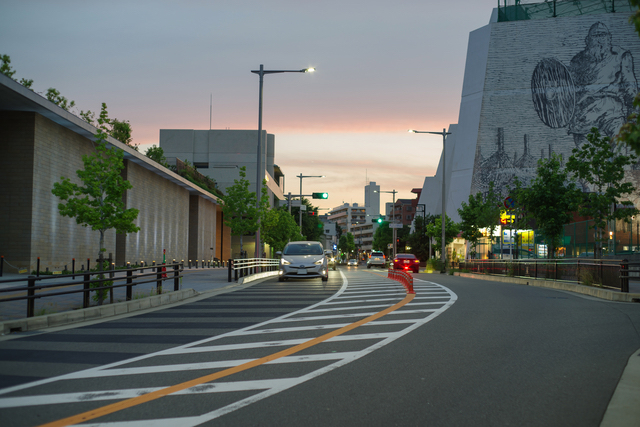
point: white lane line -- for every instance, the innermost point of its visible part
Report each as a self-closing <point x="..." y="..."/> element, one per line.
<point x="220" y="364"/>
<point x="271" y="344"/>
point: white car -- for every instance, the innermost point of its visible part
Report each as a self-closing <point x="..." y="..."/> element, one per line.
<point x="302" y="260"/>
<point x="352" y="262"/>
<point x="376" y="259"/>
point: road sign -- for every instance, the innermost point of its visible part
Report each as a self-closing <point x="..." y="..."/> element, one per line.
<point x="509" y="203"/>
<point x="395" y="225"/>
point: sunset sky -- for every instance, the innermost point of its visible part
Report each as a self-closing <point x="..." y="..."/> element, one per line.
<point x="382" y="67"/>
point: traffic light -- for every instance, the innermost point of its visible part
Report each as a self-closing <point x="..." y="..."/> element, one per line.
<point x="311" y="213"/>
<point x="320" y="195"/>
<point x="378" y="220"/>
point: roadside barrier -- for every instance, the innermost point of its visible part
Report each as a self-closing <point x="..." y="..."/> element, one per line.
<point x="403" y="277"/>
<point x="41" y="287"/>
<point x="246" y="266"/>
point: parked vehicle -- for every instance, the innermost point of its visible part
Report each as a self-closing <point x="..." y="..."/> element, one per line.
<point x="376" y="259"/>
<point x="303" y="260"/>
<point x="406" y="262"/>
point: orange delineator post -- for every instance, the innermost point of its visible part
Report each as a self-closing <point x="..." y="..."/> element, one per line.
<point x="403" y="277"/>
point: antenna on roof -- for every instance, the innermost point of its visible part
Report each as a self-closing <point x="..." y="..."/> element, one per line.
<point x="210" y="109"/>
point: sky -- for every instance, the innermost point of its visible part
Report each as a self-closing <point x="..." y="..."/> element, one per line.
<point x="382" y="67"/>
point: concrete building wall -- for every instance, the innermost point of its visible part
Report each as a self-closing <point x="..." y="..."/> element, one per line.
<point x="35" y="152"/>
<point x="532" y="88"/>
<point x="219" y="153"/>
<point x="163" y="218"/>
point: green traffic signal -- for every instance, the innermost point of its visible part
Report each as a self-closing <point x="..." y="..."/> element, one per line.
<point x="320" y="195"/>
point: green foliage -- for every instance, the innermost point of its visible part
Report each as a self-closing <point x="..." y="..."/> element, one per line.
<point x="418" y="240"/>
<point x="239" y="207"/>
<point x="121" y="130"/>
<point x="597" y="164"/>
<point x="470" y="225"/>
<point x="156" y="154"/>
<point x="347" y="244"/>
<point x="97" y="203"/>
<point x="310" y="224"/>
<point x="451" y="230"/>
<point x="382" y="237"/>
<point x="5" y="68"/>
<point x="190" y="173"/>
<point x="278" y="228"/>
<point x="54" y="96"/>
<point x="550" y="200"/>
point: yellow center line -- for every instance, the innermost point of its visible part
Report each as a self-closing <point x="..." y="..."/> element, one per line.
<point x="134" y="401"/>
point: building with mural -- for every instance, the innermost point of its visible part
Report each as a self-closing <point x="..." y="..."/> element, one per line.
<point x="537" y="78"/>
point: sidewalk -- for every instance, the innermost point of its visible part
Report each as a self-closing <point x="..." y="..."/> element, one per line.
<point x="195" y="281"/>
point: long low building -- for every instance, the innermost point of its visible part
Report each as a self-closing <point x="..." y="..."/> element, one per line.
<point x="40" y="143"/>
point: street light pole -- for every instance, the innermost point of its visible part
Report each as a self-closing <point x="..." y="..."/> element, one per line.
<point x="304" y="176"/>
<point x="444" y="134"/>
<point x="393" y="219"/>
<point x="260" y="171"/>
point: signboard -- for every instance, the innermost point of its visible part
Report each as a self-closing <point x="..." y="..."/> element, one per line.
<point x="390" y="246"/>
<point x="294" y="203"/>
<point x="397" y="225"/>
<point x="509" y="203"/>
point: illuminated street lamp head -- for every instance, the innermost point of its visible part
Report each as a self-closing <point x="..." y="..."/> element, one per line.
<point x="411" y="131"/>
<point x="308" y="70"/>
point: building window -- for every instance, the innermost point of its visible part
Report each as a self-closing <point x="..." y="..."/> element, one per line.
<point x="201" y="165"/>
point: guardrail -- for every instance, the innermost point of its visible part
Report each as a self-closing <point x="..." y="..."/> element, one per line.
<point x="37" y="286"/>
<point x="242" y="267"/>
<point x="604" y="272"/>
<point x="403" y="277"/>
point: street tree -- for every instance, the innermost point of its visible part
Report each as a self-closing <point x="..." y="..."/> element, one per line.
<point x="239" y="208"/>
<point x="97" y="202"/>
<point x="382" y="237"/>
<point x="418" y="240"/>
<point x="347" y="244"/>
<point x="550" y="199"/>
<point x="471" y="218"/>
<point x="434" y="230"/>
<point x="279" y="228"/>
<point x="599" y="166"/>
<point x="7" y="70"/>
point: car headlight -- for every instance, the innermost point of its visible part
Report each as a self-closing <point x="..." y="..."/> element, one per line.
<point x="319" y="262"/>
<point x="284" y="261"/>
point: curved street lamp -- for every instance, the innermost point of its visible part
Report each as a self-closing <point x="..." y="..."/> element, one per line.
<point x="444" y="134"/>
<point x="260" y="172"/>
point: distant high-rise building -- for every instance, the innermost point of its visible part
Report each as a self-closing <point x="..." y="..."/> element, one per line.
<point x="372" y="198"/>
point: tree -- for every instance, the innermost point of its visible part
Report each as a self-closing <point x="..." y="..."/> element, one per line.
<point x="601" y="169"/>
<point x="550" y="200"/>
<point x="121" y="130"/>
<point x="347" y="244"/>
<point x="382" y="237"/>
<point x="471" y="218"/>
<point x="418" y="240"/>
<point x="6" y="69"/>
<point x="97" y="203"/>
<point x="54" y="96"/>
<point x="451" y="230"/>
<point x="156" y="154"/>
<point x="279" y="228"/>
<point x="239" y="208"/>
<point x="312" y="228"/>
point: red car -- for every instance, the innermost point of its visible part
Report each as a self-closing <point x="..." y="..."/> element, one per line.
<point x="406" y="262"/>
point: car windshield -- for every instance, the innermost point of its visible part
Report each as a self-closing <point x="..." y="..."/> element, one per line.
<point x="405" y="256"/>
<point x="303" y="249"/>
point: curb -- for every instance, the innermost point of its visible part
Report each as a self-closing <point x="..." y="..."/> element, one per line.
<point x="605" y="294"/>
<point x="93" y="313"/>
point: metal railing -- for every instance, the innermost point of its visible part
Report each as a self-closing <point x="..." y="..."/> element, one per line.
<point x="601" y="272"/>
<point x="40" y="286"/>
<point x="242" y="267"/>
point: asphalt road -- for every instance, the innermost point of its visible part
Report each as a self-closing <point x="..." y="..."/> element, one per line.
<point x="463" y="352"/>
